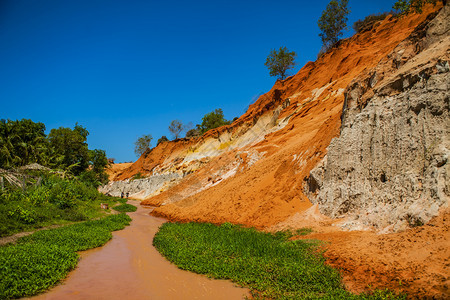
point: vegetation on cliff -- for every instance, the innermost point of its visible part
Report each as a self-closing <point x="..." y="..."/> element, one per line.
<point x="278" y="62"/>
<point x="333" y="22"/>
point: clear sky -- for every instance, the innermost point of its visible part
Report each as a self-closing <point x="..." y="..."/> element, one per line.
<point x="124" y="68"/>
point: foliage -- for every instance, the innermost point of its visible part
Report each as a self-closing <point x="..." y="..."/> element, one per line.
<point x="69" y="149"/>
<point x="99" y="162"/>
<point x="40" y="260"/>
<point x="138" y="175"/>
<point x="278" y="62"/>
<point x="176" y="127"/>
<point x="162" y="140"/>
<point x="269" y="264"/>
<point x="366" y="24"/>
<point x="333" y="21"/>
<point x="193" y="133"/>
<point x="212" y="120"/>
<point x="21" y="142"/>
<point x="125" y="208"/>
<point x="411" y="6"/>
<point x="142" y="144"/>
<point x="24" y="142"/>
<point x="54" y="201"/>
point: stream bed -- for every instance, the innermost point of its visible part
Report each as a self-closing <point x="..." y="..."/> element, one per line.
<point x="129" y="267"/>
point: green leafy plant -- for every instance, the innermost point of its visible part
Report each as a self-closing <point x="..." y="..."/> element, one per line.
<point x="40" y="260"/>
<point x="125" y="208"/>
<point x="271" y="265"/>
<point x="142" y="144"/>
<point x="368" y="22"/>
<point x="333" y="22"/>
<point x="212" y="120"/>
<point x="278" y="62"/>
<point x="54" y="201"/>
<point x="138" y="175"/>
<point x="411" y="6"/>
<point x="162" y="140"/>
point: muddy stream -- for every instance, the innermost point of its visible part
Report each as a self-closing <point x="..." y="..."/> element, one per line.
<point x="129" y="267"/>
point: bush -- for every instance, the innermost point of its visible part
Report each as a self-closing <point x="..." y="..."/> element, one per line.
<point x="125" y="208"/>
<point x="193" y="133"/>
<point x="162" y="140"/>
<point x="269" y="264"/>
<point x="368" y="22"/>
<point x="405" y="7"/>
<point x="55" y="201"/>
<point x="212" y="120"/>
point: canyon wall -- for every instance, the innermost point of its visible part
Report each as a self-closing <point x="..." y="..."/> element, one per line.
<point x="389" y="166"/>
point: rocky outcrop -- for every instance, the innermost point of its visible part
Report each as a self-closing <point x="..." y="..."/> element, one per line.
<point x="141" y="188"/>
<point x="389" y="167"/>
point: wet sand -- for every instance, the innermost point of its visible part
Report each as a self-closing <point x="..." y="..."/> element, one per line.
<point x="129" y="267"/>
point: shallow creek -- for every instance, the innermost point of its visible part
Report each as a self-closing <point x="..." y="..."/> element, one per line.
<point x="129" y="267"/>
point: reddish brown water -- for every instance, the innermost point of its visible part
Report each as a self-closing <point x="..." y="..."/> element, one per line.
<point x="129" y="267"/>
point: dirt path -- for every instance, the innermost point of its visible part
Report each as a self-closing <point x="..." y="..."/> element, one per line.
<point x="129" y="267"/>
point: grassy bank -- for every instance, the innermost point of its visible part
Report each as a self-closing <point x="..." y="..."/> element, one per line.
<point x="40" y="260"/>
<point x="269" y="264"/>
<point x="125" y="207"/>
<point x="53" y="201"/>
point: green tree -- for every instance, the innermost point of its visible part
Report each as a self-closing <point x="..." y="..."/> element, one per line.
<point x="22" y="142"/>
<point x="212" y="120"/>
<point x="96" y="175"/>
<point x="411" y="6"/>
<point x="176" y="127"/>
<point x="333" y="21"/>
<point x="278" y="62"/>
<point x="162" y="140"/>
<point x="142" y="144"/>
<point x="68" y="149"/>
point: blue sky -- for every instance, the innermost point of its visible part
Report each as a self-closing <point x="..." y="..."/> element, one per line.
<point x="127" y="68"/>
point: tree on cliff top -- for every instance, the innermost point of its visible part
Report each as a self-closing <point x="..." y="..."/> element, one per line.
<point x="212" y="120"/>
<point x="176" y="127"/>
<point x="142" y="144"/>
<point x="333" y="21"/>
<point x="278" y="62"/>
<point x="162" y="140"/>
<point x="411" y="6"/>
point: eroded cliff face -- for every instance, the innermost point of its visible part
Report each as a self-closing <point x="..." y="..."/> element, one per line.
<point x="389" y="166"/>
<point x="252" y="172"/>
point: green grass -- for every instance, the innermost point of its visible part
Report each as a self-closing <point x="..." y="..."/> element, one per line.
<point x="55" y="201"/>
<point x="40" y="260"/>
<point x="125" y="208"/>
<point x="270" y="265"/>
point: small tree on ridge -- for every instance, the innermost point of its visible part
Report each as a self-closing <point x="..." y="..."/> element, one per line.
<point x="333" y="21"/>
<point x="278" y="62"/>
<point x="142" y="144"/>
<point x="176" y="127"/>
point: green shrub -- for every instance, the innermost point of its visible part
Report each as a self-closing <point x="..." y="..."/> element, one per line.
<point x="269" y="264"/>
<point x="28" y="269"/>
<point x="368" y="22"/>
<point x="125" y="208"/>
<point x="138" y="175"/>
<point x="40" y="260"/>
<point x="405" y="7"/>
<point x="55" y="201"/>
